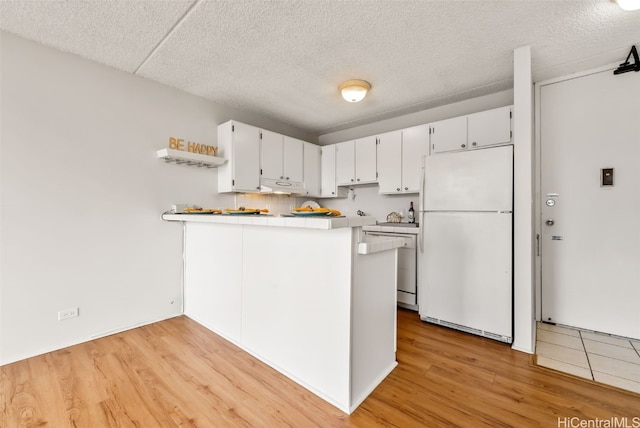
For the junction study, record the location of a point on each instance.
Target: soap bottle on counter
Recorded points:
(411, 217)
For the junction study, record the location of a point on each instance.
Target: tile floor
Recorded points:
(606, 359)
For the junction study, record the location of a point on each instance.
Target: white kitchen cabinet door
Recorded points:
(271, 155)
(390, 162)
(448, 135)
(328, 171)
(312, 159)
(345, 163)
(240, 145)
(293, 159)
(415, 146)
(489, 127)
(366, 160)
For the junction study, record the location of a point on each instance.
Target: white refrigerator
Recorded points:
(467, 242)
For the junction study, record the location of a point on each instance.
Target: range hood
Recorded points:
(268, 185)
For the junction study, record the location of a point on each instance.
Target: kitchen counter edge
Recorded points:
(264, 220)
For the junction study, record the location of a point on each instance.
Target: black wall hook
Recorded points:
(626, 66)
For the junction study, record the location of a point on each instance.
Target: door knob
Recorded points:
(550, 222)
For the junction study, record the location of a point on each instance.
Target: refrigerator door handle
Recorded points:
(422, 177)
(421, 206)
(421, 232)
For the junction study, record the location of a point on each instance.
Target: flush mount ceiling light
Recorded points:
(628, 4)
(354, 90)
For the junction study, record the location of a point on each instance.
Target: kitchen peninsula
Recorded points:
(307, 296)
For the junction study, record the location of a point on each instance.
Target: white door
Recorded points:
(590, 240)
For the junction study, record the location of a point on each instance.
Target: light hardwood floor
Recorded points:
(177, 373)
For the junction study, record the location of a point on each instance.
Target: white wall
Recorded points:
(82, 192)
(523, 204)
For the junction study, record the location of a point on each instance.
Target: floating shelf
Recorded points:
(188, 158)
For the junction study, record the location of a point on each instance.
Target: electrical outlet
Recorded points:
(68, 313)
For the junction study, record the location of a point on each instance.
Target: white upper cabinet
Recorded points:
(240, 145)
(415, 146)
(312, 154)
(366, 160)
(486, 128)
(271, 155)
(328, 187)
(356, 162)
(345, 163)
(448, 135)
(400, 155)
(390, 162)
(281, 157)
(489, 127)
(293, 159)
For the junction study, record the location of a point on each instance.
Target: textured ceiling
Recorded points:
(285, 59)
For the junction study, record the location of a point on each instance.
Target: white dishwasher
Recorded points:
(407, 260)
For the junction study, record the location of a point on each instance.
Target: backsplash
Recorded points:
(276, 204)
(367, 199)
(363, 198)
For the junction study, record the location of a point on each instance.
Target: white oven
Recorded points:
(407, 264)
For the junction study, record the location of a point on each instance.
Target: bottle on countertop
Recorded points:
(411, 217)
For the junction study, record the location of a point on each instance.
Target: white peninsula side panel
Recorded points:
(296, 304)
(213, 277)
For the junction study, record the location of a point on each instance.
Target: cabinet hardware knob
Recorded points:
(406, 188)
(473, 144)
(352, 179)
(398, 189)
(287, 178)
(333, 193)
(281, 177)
(463, 146)
(358, 179)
